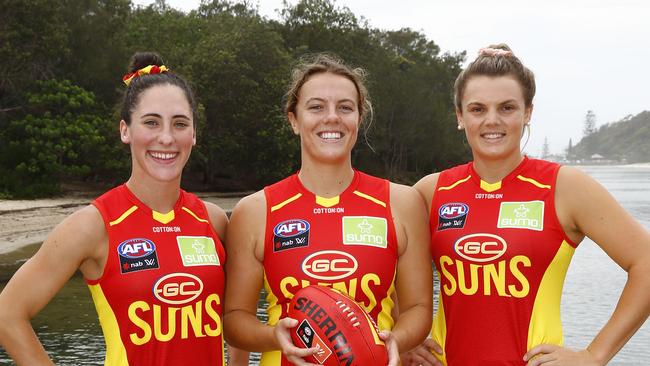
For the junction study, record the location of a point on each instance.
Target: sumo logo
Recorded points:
(452, 216)
(178, 288)
(329, 265)
(290, 234)
(136, 248)
(481, 247)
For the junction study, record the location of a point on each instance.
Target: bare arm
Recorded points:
(414, 280)
(585, 208)
(426, 187)
(79, 242)
(219, 221)
(245, 275)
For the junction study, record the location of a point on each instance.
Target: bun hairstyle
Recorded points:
(496, 60)
(139, 79)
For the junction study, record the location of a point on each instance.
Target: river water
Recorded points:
(69, 330)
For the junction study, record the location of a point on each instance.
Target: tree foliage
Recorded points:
(60, 136)
(62, 62)
(628, 140)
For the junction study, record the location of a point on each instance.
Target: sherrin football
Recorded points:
(341, 329)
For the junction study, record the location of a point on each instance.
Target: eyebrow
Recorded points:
(159, 116)
(323, 100)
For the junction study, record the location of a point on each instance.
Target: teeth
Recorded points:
(493, 135)
(163, 156)
(330, 135)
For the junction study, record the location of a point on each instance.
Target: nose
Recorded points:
(166, 135)
(492, 116)
(332, 115)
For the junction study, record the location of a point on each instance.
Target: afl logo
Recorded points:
(178, 288)
(453, 210)
(481, 247)
(136, 248)
(329, 265)
(291, 228)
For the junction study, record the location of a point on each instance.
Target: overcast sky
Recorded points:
(586, 54)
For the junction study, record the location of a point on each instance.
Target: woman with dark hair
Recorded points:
(504, 228)
(150, 252)
(370, 232)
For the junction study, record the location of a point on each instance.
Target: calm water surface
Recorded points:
(69, 330)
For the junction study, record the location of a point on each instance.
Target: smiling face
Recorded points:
(327, 118)
(493, 114)
(161, 134)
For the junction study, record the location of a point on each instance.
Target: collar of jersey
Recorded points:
(327, 201)
(492, 187)
(163, 218)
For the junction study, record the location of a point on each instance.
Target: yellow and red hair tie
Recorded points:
(151, 69)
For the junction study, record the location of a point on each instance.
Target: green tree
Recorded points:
(240, 67)
(58, 138)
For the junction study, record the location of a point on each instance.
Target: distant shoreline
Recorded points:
(25, 222)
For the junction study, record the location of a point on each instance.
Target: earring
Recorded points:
(459, 127)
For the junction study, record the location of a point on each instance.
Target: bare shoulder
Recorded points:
(574, 186)
(251, 204)
(247, 226)
(405, 201)
(218, 218)
(79, 241)
(427, 187)
(85, 224)
(400, 193)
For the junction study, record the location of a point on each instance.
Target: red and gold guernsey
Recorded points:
(502, 257)
(347, 242)
(160, 297)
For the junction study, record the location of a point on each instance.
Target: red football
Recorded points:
(341, 329)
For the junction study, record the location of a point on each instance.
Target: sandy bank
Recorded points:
(24, 222)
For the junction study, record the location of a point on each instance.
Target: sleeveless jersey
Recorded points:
(347, 242)
(502, 256)
(160, 297)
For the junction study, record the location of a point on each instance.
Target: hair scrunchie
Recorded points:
(151, 69)
(487, 51)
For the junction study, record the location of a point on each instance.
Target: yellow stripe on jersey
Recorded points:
(385, 318)
(123, 216)
(533, 182)
(270, 358)
(447, 188)
(370, 198)
(545, 323)
(115, 350)
(194, 215)
(439, 327)
(274, 311)
(327, 202)
(490, 187)
(286, 202)
(163, 218)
